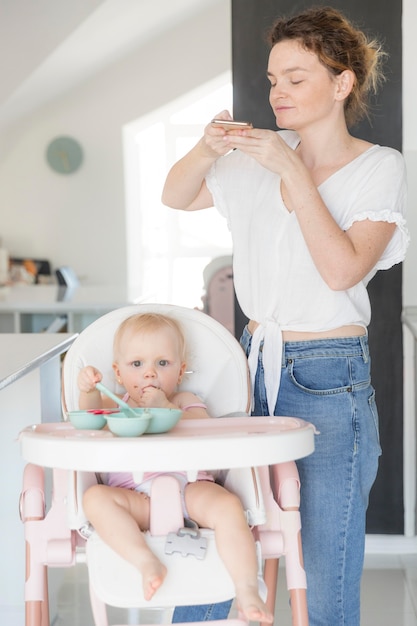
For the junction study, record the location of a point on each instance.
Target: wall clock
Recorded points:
(64, 155)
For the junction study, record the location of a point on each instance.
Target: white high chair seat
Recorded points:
(217, 372)
(216, 366)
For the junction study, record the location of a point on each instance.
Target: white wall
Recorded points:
(79, 219)
(410, 144)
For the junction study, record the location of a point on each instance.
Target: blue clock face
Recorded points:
(64, 155)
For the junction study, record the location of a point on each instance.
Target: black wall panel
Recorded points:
(381, 18)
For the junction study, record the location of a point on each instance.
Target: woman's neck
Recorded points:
(323, 153)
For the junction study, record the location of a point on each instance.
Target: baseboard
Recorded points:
(390, 544)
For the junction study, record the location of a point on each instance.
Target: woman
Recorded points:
(314, 213)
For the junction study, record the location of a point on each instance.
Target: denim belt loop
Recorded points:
(283, 358)
(365, 347)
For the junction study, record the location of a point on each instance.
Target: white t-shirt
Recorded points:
(276, 281)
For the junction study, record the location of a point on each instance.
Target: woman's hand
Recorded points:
(266, 147)
(213, 139)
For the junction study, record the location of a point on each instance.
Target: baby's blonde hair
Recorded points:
(150, 322)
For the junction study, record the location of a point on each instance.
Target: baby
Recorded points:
(149, 362)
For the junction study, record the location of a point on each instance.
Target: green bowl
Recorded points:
(87, 420)
(162, 420)
(157, 420)
(124, 426)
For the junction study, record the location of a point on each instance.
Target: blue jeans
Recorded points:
(327, 382)
(202, 612)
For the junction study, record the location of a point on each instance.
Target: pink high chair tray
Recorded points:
(191, 445)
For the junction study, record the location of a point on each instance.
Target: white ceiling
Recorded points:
(48, 46)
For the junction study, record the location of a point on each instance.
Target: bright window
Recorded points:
(167, 249)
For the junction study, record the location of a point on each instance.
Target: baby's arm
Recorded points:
(192, 406)
(90, 397)
(189, 403)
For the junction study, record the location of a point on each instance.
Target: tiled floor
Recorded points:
(389, 596)
(389, 593)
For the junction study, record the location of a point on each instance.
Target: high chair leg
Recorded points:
(271, 579)
(33, 613)
(37, 611)
(32, 509)
(98, 609)
(299, 607)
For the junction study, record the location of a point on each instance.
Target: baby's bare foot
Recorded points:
(252, 607)
(153, 575)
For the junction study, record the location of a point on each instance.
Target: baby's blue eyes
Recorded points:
(161, 363)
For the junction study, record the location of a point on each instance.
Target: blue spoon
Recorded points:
(123, 405)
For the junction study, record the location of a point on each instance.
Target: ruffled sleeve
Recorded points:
(381, 195)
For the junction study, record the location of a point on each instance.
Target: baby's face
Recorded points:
(149, 359)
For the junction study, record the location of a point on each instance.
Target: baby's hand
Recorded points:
(87, 379)
(154, 397)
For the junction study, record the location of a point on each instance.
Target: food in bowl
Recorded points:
(88, 420)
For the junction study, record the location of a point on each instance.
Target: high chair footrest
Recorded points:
(117, 582)
(187, 541)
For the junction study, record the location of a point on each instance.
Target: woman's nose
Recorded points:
(277, 91)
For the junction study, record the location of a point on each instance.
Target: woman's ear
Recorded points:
(345, 83)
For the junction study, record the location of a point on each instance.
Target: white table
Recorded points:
(33, 308)
(30, 382)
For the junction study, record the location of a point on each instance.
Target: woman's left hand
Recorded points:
(266, 147)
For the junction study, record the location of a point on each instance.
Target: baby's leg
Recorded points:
(119, 516)
(212, 506)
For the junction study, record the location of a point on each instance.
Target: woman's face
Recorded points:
(303, 92)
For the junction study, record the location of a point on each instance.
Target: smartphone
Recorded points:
(231, 124)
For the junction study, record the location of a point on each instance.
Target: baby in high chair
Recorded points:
(149, 362)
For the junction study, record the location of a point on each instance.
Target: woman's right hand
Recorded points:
(213, 138)
(88, 377)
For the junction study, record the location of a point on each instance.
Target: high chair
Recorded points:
(217, 372)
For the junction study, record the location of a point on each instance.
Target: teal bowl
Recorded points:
(124, 426)
(87, 420)
(162, 420)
